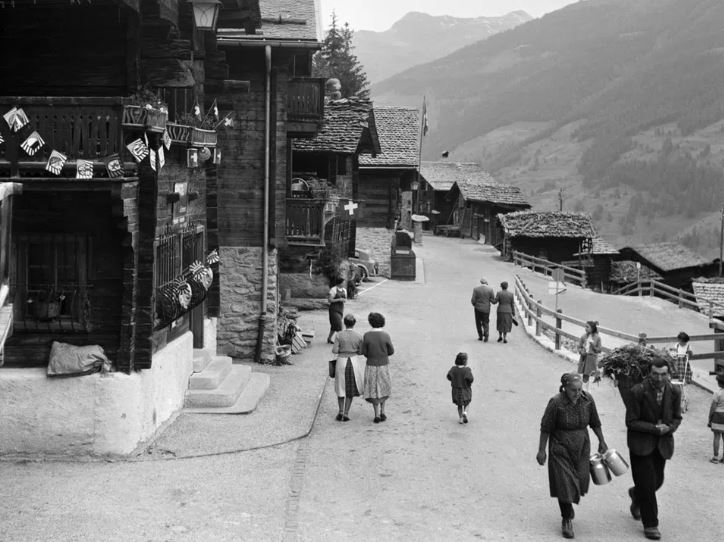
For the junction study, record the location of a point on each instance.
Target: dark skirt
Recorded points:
(350, 384)
(462, 396)
(504, 322)
(568, 472)
(335, 318)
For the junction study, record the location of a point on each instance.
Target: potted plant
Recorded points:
(146, 111)
(203, 134)
(180, 130)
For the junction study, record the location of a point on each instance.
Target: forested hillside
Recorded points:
(637, 86)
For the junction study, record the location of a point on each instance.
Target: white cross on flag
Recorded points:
(351, 206)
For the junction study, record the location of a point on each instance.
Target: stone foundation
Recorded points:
(300, 285)
(240, 285)
(378, 242)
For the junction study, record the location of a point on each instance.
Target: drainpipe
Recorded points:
(265, 241)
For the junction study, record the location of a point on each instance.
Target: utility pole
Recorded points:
(721, 240)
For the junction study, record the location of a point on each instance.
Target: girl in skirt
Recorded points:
(461, 377)
(716, 418)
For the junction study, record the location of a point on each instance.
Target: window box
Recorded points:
(179, 133)
(134, 116)
(203, 138)
(156, 120)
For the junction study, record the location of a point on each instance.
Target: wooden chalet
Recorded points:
(597, 261)
(323, 191)
(676, 264)
(389, 180)
(478, 200)
(551, 235)
(436, 181)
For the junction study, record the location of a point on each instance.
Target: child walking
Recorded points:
(716, 418)
(461, 377)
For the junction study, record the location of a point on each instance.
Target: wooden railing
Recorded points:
(682, 298)
(570, 274)
(535, 312)
(87, 128)
(305, 99)
(305, 221)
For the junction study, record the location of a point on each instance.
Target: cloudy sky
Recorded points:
(379, 15)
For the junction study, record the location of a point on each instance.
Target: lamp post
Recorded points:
(206, 13)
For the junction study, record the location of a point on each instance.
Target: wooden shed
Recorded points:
(597, 261)
(478, 199)
(552, 235)
(676, 264)
(436, 181)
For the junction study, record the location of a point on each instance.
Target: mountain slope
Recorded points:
(633, 89)
(418, 38)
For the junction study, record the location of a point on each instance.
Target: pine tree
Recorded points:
(336, 59)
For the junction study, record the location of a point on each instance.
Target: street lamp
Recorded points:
(206, 13)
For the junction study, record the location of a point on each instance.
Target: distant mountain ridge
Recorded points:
(417, 38)
(618, 102)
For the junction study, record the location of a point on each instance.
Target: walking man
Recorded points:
(653, 414)
(483, 296)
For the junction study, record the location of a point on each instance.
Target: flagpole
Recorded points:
(419, 151)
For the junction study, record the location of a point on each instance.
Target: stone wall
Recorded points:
(300, 285)
(240, 285)
(378, 241)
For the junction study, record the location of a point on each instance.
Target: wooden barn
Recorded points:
(478, 201)
(675, 263)
(597, 261)
(389, 180)
(436, 181)
(552, 235)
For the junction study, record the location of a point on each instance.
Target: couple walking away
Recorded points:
(653, 413)
(353, 376)
(483, 298)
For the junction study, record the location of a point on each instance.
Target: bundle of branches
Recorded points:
(633, 361)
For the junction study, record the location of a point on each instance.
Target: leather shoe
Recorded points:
(383, 418)
(376, 419)
(652, 533)
(634, 508)
(567, 528)
(480, 338)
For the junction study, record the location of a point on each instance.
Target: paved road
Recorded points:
(420, 475)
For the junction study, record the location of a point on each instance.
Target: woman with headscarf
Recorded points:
(564, 428)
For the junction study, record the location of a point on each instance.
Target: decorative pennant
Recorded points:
(204, 154)
(16, 118)
(197, 110)
(33, 143)
(161, 158)
(192, 157)
(1, 139)
(152, 158)
(56, 162)
(85, 169)
(215, 110)
(114, 166)
(166, 140)
(138, 149)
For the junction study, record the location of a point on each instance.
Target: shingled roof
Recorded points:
(492, 192)
(547, 224)
(348, 128)
(297, 20)
(625, 271)
(667, 256)
(709, 290)
(443, 175)
(399, 131)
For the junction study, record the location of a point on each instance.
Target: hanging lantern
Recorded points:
(206, 13)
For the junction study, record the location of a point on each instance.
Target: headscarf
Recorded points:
(569, 378)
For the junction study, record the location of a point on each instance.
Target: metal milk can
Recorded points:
(599, 471)
(615, 462)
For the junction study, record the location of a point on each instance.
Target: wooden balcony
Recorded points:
(305, 222)
(305, 106)
(87, 128)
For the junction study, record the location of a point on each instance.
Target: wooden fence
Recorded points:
(682, 298)
(535, 311)
(570, 274)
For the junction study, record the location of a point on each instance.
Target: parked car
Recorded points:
(366, 265)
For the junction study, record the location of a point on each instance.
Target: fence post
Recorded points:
(642, 339)
(711, 310)
(640, 289)
(681, 301)
(652, 289)
(529, 311)
(558, 327)
(537, 322)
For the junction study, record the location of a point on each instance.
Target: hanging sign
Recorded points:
(33, 144)
(114, 166)
(192, 158)
(16, 118)
(85, 169)
(56, 162)
(138, 149)
(217, 156)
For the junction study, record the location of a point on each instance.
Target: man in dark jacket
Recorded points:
(483, 296)
(653, 414)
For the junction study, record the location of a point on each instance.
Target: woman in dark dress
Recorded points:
(336, 298)
(504, 314)
(564, 428)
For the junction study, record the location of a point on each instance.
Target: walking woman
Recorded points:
(589, 346)
(336, 297)
(377, 347)
(505, 312)
(564, 428)
(349, 372)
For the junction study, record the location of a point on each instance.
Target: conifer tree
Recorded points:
(337, 59)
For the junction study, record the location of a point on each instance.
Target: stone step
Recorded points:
(225, 395)
(248, 400)
(213, 375)
(201, 359)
